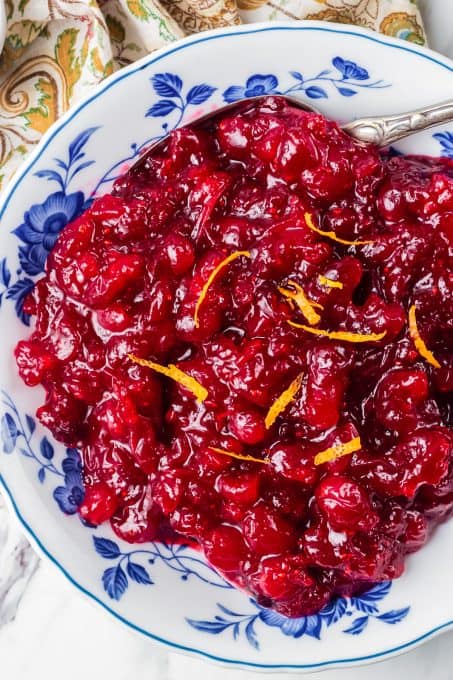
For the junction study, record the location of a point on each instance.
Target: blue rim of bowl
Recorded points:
(144, 63)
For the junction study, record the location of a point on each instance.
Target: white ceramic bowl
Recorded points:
(170, 594)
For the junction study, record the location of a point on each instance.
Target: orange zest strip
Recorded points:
(175, 373)
(282, 401)
(341, 335)
(330, 283)
(337, 451)
(212, 276)
(240, 456)
(331, 234)
(418, 342)
(305, 305)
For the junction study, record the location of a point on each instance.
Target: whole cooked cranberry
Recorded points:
(280, 576)
(345, 504)
(225, 548)
(239, 487)
(33, 361)
(266, 531)
(99, 503)
(137, 521)
(180, 253)
(397, 396)
(294, 461)
(420, 458)
(65, 416)
(247, 424)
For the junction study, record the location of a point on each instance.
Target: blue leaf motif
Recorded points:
(358, 626)
(47, 450)
(79, 168)
(139, 574)
(209, 626)
(51, 175)
(78, 143)
(334, 611)
(200, 93)
(394, 616)
(106, 548)
(446, 141)
(5, 274)
(41, 474)
(162, 108)
(115, 582)
(367, 602)
(313, 626)
(227, 611)
(30, 424)
(234, 93)
(251, 635)
(315, 92)
(167, 84)
(18, 292)
(9, 433)
(297, 76)
(346, 91)
(377, 593)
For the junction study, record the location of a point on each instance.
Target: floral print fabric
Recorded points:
(56, 51)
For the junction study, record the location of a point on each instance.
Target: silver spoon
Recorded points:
(379, 130)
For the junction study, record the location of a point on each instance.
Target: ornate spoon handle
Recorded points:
(388, 129)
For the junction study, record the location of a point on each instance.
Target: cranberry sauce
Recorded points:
(305, 442)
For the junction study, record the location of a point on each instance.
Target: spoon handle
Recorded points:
(388, 129)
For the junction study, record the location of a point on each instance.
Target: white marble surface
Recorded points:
(57, 634)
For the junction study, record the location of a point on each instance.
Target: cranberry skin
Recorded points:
(294, 462)
(121, 271)
(421, 458)
(138, 521)
(114, 318)
(397, 397)
(99, 503)
(33, 361)
(242, 487)
(345, 504)
(322, 546)
(64, 416)
(247, 424)
(180, 254)
(266, 532)
(225, 548)
(168, 491)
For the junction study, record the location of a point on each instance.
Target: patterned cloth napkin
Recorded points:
(58, 50)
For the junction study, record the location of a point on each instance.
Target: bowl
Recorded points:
(168, 593)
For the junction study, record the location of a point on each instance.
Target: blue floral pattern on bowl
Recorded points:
(64, 176)
(445, 140)
(346, 79)
(134, 564)
(43, 222)
(312, 626)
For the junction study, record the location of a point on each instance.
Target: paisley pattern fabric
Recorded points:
(58, 50)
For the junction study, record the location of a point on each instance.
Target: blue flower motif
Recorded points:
(350, 70)
(70, 496)
(367, 605)
(41, 226)
(255, 86)
(296, 628)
